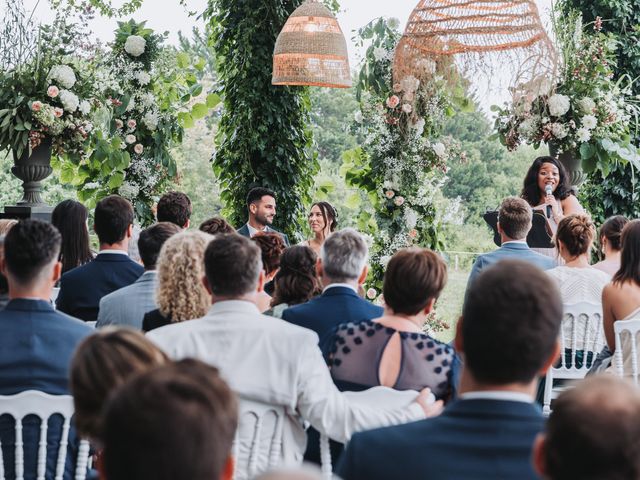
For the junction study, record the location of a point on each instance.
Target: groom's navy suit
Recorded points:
(244, 231)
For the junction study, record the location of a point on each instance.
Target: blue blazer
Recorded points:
(471, 439)
(82, 288)
(335, 306)
(36, 346)
(244, 231)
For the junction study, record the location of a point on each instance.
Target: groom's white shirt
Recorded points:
(271, 361)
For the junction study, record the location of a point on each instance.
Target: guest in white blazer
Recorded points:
(270, 361)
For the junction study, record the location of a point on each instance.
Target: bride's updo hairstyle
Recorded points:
(576, 232)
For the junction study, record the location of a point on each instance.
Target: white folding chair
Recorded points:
(257, 446)
(384, 398)
(630, 327)
(584, 320)
(43, 406)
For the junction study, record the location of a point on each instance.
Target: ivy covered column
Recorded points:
(263, 137)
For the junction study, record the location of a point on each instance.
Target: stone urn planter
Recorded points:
(572, 163)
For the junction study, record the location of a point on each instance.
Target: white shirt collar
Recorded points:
(253, 231)
(515, 241)
(497, 395)
(345, 285)
(113, 252)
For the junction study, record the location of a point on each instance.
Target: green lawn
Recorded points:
(449, 304)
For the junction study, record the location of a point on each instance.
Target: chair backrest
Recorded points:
(627, 357)
(258, 443)
(581, 331)
(383, 398)
(43, 406)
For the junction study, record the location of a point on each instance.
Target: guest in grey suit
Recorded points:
(514, 222)
(128, 305)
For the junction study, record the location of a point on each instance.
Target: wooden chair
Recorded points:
(584, 318)
(43, 406)
(630, 327)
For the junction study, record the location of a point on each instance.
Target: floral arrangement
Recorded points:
(586, 112)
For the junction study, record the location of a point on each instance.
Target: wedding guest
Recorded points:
(70, 218)
(323, 220)
(544, 173)
(610, 240)
(102, 363)
(82, 288)
(128, 305)
(216, 225)
(36, 341)
(306, 472)
(180, 294)
(272, 247)
(342, 268)
(261, 205)
(176, 421)
(269, 360)
(593, 433)
(489, 432)
(5, 226)
(621, 297)
(296, 281)
(175, 207)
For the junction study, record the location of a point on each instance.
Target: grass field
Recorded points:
(449, 304)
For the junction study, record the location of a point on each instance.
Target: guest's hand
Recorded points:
(553, 202)
(427, 401)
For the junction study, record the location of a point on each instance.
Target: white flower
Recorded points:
(410, 218)
(379, 53)
(69, 100)
(91, 186)
(439, 149)
(148, 99)
(406, 108)
(384, 260)
(139, 148)
(130, 139)
(583, 135)
(427, 66)
(589, 122)
(587, 105)
(84, 107)
(399, 201)
(131, 124)
(131, 105)
(559, 104)
(135, 45)
(358, 116)
(143, 78)
(119, 123)
(559, 130)
(419, 126)
(393, 23)
(151, 120)
(371, 293)
(63, 74)
(129, 190)
(529, 126)
(410, 84)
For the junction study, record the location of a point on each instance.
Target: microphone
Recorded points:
(549, 191)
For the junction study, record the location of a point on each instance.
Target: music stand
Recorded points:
(539, 236)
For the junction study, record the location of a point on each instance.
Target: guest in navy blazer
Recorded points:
(82, 288)
(508, 336)
(36, 342)
(342, 268)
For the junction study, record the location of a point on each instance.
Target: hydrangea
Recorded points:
(583, 134)
(439, 149)
(129, 190)
(559, 104)
(589, 122)
(587, 105)
(150, 120)
(84, 107)
(69, 100)
(143, 78)
(63, 74)
(135, 45)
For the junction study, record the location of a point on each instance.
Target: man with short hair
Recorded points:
(82, 288)
(342, 268)
(128, 305)
(267, 360)
(593, 432)
(515, 218)
(507, 336)
(261, 204)
(173, 422)
(175, 207)
(36, 342)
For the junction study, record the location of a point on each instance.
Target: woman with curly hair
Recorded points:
(272, 246)
(180, 293)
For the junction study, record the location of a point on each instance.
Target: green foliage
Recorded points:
(263, 137)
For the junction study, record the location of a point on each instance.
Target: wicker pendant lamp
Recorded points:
(311, 50)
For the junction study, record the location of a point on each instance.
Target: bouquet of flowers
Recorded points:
(587, 112)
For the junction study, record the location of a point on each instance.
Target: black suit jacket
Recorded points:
(82, 288)
(472, 439)
(244, 231)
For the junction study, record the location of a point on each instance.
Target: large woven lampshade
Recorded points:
(311, 50)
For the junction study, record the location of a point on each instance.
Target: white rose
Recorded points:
(419, 126)
(559, 130)
(406, 108)
(559, 104)
(139, 148)
(69, 100)
(587, 105)
(143, 78)
(130, 139)
(439, 149)
(84, 107)
(583, 135)
(135, 45)
(589, 122)
(63, 74)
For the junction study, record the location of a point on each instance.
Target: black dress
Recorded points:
(154, 319)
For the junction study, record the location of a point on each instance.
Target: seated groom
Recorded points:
(507, 336)
(261, 205)
(36, 342)
(82, 288)
(342, 268)
(128, 305)
(267, 360)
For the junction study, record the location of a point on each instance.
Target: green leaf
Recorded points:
(185, 120)
(199, 111)
(587, 151)
(353, 201)
(213, 100)
(183, 60)
(67, 173)
(116, 180)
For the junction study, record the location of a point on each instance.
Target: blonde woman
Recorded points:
(180, 294)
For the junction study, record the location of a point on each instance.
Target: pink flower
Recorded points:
(413, 234)
(58, 112)
(119, 123)
(53, 91)
(131, 124)
(36, 106)
(138, 148)
(389, 194)
(399, 201)
(371, 293)
(393, 101)
(397, 87)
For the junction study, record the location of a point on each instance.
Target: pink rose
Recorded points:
(131, 124)
(371, 293)
(58, 112)
(53, 91)
(36, 106)
(413, 234)
(399, 201)
(389, 194)
(393, 101)
(119, 123)
(138, 148)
